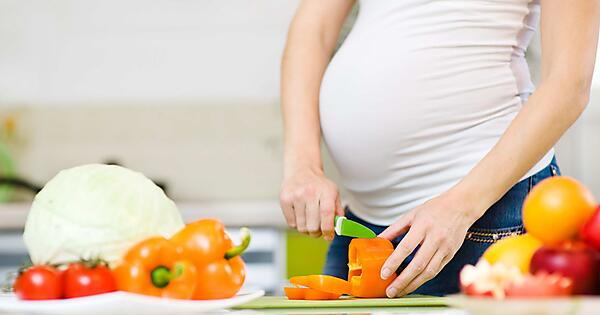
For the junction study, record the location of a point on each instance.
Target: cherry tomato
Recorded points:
(39, 283)
(83, 280)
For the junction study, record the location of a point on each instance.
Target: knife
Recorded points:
(347, 227)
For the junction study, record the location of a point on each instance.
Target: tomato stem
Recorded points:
(239, 249)
(93, 262)
(161, 276)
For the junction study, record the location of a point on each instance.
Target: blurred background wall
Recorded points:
(186, 91)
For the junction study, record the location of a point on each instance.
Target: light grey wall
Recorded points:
(205, 118)
(90, 52)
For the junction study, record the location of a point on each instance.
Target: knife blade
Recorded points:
(347, 227)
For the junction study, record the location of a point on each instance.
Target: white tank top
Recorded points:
(419, 92)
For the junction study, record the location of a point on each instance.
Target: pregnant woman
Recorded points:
(430, 116)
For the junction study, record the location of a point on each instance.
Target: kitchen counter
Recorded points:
(253, 213)
(411, 304)
(124, 303)
(358, 311)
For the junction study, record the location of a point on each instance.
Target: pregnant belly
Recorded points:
(403, 119)
(418, 93)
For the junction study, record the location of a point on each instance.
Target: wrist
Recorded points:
(302, 162)
(468, 201)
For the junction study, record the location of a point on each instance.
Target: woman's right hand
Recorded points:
(310, 201)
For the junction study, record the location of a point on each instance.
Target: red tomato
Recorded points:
(82, 280)
(39, 283)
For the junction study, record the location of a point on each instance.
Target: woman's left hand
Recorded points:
(439, 226)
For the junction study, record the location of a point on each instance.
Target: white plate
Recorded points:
(556, 306)
(121, 303)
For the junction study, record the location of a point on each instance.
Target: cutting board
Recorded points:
(281, 302)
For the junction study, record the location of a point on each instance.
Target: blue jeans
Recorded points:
(502, 219)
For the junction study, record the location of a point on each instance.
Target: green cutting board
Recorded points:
(280, 302)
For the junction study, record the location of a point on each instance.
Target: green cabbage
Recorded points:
(96, 211)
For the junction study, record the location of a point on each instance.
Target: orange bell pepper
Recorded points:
(221, 270)
(365, 259)
(317, 287)
(154, 267)
(308, 294)
(322, 283)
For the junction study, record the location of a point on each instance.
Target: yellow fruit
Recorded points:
(557, 208)
(513, 251)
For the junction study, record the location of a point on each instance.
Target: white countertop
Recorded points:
(265, 213)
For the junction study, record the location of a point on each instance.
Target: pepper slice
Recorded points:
(323, 283)
(365, 259)
(308, 294)
(154, 267)
(317, 287)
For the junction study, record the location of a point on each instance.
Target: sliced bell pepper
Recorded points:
(322, 283)
(365, 259)
(221, 270)
(154, 267)
(308, 294)
(316, 287)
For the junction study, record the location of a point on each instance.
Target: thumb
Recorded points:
(398, 228)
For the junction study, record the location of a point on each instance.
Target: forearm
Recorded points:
(311, 40)
(550, 111)
(303, 65)
(569, 33)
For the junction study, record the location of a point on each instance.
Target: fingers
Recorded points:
(408, 244)
(300, 214)
(286, 203)
(339, 210)
(327, 207)
(398, 228)
(313, 217)
(417, 266)
(309, 202)
(436, 264)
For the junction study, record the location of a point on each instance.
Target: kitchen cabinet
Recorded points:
(297, 263)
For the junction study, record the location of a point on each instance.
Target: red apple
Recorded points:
(573, 260)
(590, 232)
